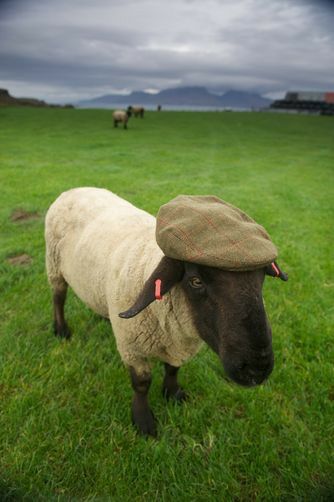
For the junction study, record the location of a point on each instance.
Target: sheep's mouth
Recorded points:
(248, 381)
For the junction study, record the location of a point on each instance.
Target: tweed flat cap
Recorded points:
(208, 231)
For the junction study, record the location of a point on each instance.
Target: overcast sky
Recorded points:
(64, 50)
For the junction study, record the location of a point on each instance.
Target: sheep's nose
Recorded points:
(248, 371)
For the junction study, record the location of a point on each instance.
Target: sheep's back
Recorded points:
(93, 232)
(120, 115)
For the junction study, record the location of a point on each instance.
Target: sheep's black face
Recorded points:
(230, 317)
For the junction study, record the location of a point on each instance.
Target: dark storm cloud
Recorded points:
(58, 50)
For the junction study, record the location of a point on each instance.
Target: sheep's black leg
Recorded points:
(170, 387)
(115, 123)
(60, 326)
(142, 416)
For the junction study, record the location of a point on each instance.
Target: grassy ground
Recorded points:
(65, 429)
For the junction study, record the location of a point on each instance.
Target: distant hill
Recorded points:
(239, 99)
(7, 100)
(181, 96)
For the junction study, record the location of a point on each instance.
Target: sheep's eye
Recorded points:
(195, 282)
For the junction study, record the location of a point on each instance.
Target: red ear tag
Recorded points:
(158, 295)
(275, 269)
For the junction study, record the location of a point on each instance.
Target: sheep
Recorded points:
(106, 250)
(121, 116)
(138, 111)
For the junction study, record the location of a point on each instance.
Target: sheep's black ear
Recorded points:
(274, 271)
(169, 271)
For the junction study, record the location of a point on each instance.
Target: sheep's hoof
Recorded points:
(144, 422)
(62, 331)
(177, 395)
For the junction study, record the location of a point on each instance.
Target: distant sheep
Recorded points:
(138, 111)
(106, 250)
(121, 116)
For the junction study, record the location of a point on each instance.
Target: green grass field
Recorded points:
(65, 431)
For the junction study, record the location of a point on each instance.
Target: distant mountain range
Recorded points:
(180, 96)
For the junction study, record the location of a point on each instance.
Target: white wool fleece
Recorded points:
(105, 250)
(120, 115)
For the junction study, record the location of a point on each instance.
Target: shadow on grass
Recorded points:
(324, 492)
(10, 493)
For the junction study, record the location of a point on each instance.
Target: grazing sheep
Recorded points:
(106, 250)
(121, 116)
(138, 111)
